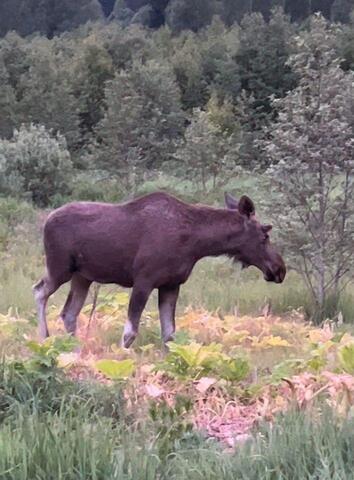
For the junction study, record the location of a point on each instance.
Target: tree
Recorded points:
(48, 17)
(311, 148)
(93, 68)
(47, 97)
(204, 62)
(35, 165)
(63, 15)
(187, 64)
(122, 13)
(7, 103)
(218, 47)
(208, 143)
(142, 123)
(107, 6)
(186, 15)
(262, 59)
(341, 10)
(23, 16)
(234, 10)
(346, 45)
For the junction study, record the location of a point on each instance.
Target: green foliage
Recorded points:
(287, 368)
(116, 370)
(181, 15)
(12, 214)
(262, 61)
(346, 357)
(46, 17)
(35, 164)
(93, 69)
(142, 122)
(298, 446)
(173, 430)
(45, 93)
(310, 147)
(195, 361)
(45, 355)
(209, 148)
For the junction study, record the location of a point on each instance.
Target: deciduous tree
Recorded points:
(142, 123)
(311, 148)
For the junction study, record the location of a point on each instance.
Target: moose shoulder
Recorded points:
(151, 242)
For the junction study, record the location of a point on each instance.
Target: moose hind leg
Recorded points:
(167, 307)
(42, 291)
(75, 301)
(138, 299)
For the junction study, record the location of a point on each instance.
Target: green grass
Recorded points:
(218, 284)
(73, 443)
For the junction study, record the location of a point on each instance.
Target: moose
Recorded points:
(152, 242)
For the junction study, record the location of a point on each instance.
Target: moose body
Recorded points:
(149, 243)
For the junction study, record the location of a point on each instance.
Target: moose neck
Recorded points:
(216, 232)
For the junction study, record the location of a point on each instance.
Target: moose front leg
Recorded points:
(138, 299)
(167, 308)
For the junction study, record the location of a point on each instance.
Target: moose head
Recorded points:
(253, 245)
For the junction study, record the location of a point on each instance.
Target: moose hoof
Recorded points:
(128, 339)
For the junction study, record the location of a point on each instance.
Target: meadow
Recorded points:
(250, 389)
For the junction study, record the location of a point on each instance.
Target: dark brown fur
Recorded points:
(151, 242)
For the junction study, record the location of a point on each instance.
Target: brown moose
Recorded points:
(147, 243)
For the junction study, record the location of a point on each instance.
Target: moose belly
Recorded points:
(106, 269)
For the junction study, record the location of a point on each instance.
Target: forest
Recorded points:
(110, 100)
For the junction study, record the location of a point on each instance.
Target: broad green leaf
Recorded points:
(346, 358)
(115, 369)
(234, 370)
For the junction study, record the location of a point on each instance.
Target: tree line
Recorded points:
(52, 17)
(131, 101)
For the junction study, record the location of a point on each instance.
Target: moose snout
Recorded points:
(275, 273)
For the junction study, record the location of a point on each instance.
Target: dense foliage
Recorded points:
(275, 391)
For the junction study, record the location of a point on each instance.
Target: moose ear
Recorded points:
(246, 206)
(231, 202)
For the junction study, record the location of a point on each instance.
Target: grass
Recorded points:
(73, 444)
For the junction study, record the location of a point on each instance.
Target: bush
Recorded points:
(13, 213)
(35, 165)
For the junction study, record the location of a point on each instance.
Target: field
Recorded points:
(231, 389)
(250, 389)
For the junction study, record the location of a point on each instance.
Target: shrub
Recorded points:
(35, 165)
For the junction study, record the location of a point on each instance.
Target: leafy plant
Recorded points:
(346, 358)
(32, 157)
(171, 424)
(45, 355)
(287, 368)
(196, 361)
(116, 369)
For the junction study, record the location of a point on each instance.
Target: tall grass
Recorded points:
(218, 284)
(72, 445)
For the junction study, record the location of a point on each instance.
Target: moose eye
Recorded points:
(265, 238)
